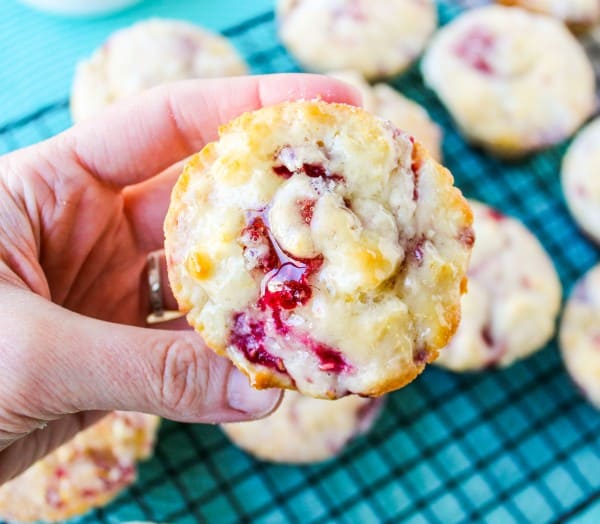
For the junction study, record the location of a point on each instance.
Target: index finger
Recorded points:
(138, 138)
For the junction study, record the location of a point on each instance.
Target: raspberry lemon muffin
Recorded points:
(580, 335)
(84, 473)
(514, 81)
(378, 38)
(320, 249)
(513, 298)
(305, 429)
(581, 179)
(386, 102)
(148, 54)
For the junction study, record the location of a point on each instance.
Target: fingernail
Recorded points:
(243, 397)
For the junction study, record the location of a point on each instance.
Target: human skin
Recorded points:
(79, 214)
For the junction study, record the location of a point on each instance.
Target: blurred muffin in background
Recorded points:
(513, 297)
(148, 54)
(577, 14)
(581, 179)
(378, 38)
(386, 102)
(579, 337)
(86, 472)
(305, 429)
(514, 81)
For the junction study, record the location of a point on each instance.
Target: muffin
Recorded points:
(304, 429)
(581, 179)
(580, 335)
(378, 38)
(514, 295)
(513, 81)
(148, 54)
(87, 472)
(320, 249)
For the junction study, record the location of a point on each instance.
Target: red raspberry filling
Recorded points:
(306, 208)
(416, 250)
(61, 472)
(416, 185)
(314, 170)
(249, 337)
(310, 170)
(420, 356)
(496, 348)
(255, 236)
(282, 171)
(331, 359)
(495, 215)
(284, 287)
(475, 48)
(319, 171)
(486, 336)
(467, 236)
(287, 287)
(89, 492)
(285, 284)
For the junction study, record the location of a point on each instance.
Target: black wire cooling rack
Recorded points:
(511, 446)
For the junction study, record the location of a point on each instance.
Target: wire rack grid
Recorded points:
(512, 446)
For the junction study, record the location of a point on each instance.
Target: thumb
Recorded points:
(74, 363)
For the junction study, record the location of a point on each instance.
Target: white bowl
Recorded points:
(80, 7)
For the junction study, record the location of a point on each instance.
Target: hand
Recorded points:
(79, 214)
